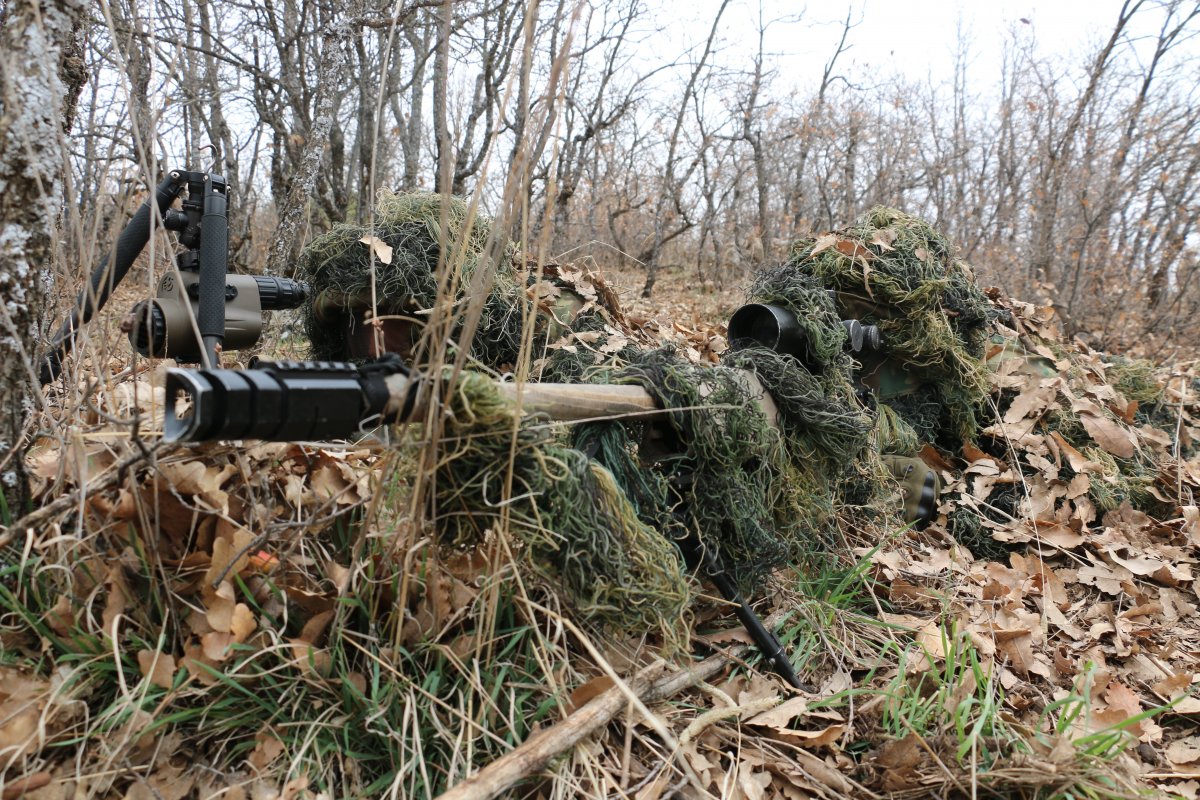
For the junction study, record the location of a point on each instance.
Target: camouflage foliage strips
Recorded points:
(598, 503)
(594, 512)
(393, 263)
(895, 271)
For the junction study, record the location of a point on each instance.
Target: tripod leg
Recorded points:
(130, 242)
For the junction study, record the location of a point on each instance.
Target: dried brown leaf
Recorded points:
(824, 242)
(242, 623)
(899, 761)
(158, 667)
(1030, 403)
(25, 784)
(883, 238)
(586, 692)
(267, 748)
(1113, 437)
(381, 249)
(314, 629)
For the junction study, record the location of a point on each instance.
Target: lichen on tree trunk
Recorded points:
(32, 37)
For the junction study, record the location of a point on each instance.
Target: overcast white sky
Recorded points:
(915, 37)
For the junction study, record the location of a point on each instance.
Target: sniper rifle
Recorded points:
(315, 400)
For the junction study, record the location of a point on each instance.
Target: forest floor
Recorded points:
(267, 621)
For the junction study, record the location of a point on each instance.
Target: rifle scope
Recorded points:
(776, 328)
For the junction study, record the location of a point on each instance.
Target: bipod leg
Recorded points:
(700, 557)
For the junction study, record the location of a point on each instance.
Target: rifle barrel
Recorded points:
(287, 401)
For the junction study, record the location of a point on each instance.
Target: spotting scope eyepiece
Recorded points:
(276, 294)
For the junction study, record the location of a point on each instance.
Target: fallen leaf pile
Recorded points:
(1072, 598)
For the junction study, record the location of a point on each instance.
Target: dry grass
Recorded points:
(273, 620)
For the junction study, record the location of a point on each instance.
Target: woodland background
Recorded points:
(1075, 181)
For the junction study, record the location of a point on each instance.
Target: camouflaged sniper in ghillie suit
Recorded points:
(590, 504)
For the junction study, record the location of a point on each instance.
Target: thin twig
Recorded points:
(112, 476)
(535, 753)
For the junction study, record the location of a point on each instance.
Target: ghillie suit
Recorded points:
(1051, 436)
(895, 271)
(390, 271)
(926, 381)
(392, 268)
(577, 529)
(761, 492)
(595, 506)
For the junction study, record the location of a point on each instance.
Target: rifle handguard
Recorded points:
(283, 400)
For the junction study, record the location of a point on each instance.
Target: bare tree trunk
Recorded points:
(135, 53)
(672, 184)
(419, 40)
(34, 35)
(751, 133)
(812, 119)
(1060, 152)
(849, 170)
(281, 260)
(73, 74)
(221, 137)
(441, 87)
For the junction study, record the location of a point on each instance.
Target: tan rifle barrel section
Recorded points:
(571, 402)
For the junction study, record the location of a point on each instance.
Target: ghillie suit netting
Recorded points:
(1051, 435)
(595, 507)
(895, 271)
(827, 426)
(592, 512)
(351, 274)
(597, 504)
(575, 527)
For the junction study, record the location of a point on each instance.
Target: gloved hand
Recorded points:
(919, 487)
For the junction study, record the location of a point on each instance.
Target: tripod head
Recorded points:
(200, 309)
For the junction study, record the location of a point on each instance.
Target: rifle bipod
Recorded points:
(707, 562)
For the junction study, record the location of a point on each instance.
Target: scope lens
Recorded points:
(148, 329)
